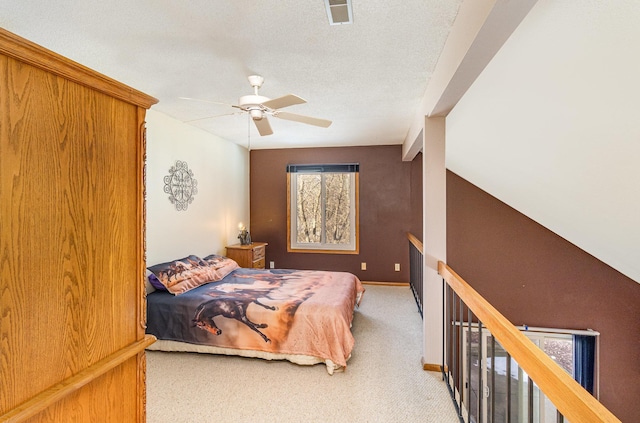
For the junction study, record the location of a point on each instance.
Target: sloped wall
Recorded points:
(551, 126)
(537, 278)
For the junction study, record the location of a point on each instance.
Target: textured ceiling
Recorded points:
(367, 77)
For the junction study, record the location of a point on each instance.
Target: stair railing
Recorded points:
(416, 267)
(468, 315)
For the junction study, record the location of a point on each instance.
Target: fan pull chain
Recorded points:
(248, 132)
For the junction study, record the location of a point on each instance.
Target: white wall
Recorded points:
(552, 126)
(221, 169)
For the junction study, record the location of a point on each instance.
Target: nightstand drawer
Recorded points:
(258, 253)
(258, 264)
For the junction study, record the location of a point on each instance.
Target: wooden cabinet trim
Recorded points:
(62, 389)
(75, 129)
(28, 52)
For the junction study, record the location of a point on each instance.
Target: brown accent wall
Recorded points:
(386, 201)
(535, 277)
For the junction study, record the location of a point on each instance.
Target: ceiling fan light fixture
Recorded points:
(256, 114)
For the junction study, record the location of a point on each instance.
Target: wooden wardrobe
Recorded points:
(72, 311)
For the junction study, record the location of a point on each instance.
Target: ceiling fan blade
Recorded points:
(205, 101)
(264, 128)
(303, 119)
(284, 101)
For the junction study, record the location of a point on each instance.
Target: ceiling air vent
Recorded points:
(339, 12)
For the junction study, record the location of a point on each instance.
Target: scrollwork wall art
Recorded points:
(180, 185)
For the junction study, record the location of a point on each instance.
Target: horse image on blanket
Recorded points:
(231, 300)
(290, 313)
(232, 308)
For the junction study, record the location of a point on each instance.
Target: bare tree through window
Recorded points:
(309, 208)
(337, 208)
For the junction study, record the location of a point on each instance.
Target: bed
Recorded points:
(210, 305)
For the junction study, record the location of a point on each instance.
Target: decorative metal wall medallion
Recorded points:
(180, 185)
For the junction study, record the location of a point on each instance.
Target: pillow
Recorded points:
(181, 275)
(147, 284)
(221, 266)
(152, 283)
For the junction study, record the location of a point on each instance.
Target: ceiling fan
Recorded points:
(259, 107)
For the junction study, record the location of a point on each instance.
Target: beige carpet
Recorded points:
(384, 380)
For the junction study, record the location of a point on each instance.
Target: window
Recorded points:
(323, 208)
(505, 384)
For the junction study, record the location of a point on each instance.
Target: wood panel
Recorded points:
(41, 403)
(71, 249)
(89, 404)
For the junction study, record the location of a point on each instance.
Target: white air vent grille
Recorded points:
(339, 12)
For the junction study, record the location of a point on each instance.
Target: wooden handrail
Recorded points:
(415, 241)
(571, 399)
(60, 390)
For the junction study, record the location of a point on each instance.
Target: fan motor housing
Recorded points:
(252, 100)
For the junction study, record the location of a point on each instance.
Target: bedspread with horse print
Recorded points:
(280, 311)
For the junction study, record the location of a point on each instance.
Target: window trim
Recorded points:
(352, 168)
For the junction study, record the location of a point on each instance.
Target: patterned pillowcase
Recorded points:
(181, 275)
(221, 266)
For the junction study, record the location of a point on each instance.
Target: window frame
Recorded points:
(537, 336)
(294, 247)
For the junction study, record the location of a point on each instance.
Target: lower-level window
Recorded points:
(504, 390)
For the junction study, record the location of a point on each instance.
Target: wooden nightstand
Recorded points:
(251, 255)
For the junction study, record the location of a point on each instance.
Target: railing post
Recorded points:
(530, 399)
(444, 325)
(493, 379)
(460, 375)
(469, 315)
(480, 381)
(416, 260)
(508, 388)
